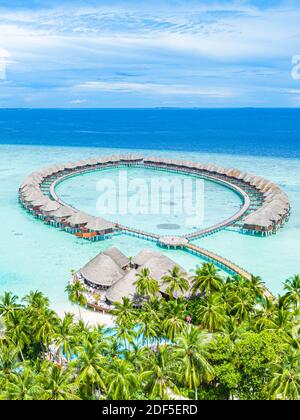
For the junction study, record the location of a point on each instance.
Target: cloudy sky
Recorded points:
(135, 53)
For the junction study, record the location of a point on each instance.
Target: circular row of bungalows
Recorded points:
(38, 200)
(273, 212)
(274, 209)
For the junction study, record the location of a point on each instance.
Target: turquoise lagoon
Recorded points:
(35, 256)
(97, 193)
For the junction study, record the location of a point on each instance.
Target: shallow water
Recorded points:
(152, 201)
(35, 256)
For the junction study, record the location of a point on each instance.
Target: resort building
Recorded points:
(264, 210)
(112, 272)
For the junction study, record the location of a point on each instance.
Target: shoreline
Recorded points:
(89, 317)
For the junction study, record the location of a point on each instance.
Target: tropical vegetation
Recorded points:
(208, 337)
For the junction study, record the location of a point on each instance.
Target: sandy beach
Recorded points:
(91, 318)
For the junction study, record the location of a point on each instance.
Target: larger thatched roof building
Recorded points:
(111, 271)
(102, 271)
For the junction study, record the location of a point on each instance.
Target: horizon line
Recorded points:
(144, 108)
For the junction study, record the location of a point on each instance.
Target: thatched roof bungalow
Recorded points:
(110, 271)
(79, 219)
(159, 266)
(50, 206)
(62, 213)
(101, 272)
(98, 224)
(119, 258)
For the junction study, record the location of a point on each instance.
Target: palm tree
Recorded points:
(122, 380)
(258, 287)
(44, 327)
(131, 261)
(159, 374)
(125, 312)
(123, 334)
(264, 316)
(22, 386)
(285, 384)
(138, 354)
(8, 359)
(8, 304)
(65, 336)
(173, 327)
(241, 304)
(292, 286)
(91, 368)
(281, 323)
(81, 329)
(148, 312)
(76, 292)
(145, 284)
(175, 308)
(59, 384)
(36, 300)
(148, 330)
(97, 298)
(232, 329)
(211, 313)
(175, 281)
(193, 357)
(2, 329)
(207, 280)
(19, 331)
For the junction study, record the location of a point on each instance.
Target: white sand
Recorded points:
(90, 317)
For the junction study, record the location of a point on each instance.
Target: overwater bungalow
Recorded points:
(51, 206)
(62, 213)
(133, 158)
(97, 227)
(258, 224)
(255, 189)
(58, 218)
(39, 202)
(78, 219)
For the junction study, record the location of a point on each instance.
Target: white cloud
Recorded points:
(161, 89)
(78, 101)
(195, 51)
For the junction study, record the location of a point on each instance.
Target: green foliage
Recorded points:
(253, 355)
(228, 341)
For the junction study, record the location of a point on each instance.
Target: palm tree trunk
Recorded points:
(22, 356)
(196, 393)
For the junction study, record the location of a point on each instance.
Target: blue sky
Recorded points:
(150, 53)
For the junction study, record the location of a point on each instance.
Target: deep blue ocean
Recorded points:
(257, 132)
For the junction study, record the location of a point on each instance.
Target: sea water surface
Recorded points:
(35, 256)
(165, 203)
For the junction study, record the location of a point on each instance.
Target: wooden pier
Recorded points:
(219, 261)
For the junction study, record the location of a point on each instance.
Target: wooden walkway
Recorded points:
(223, 263)
(219, 226)
(149, 236)
(219, 261)
(138, 233)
